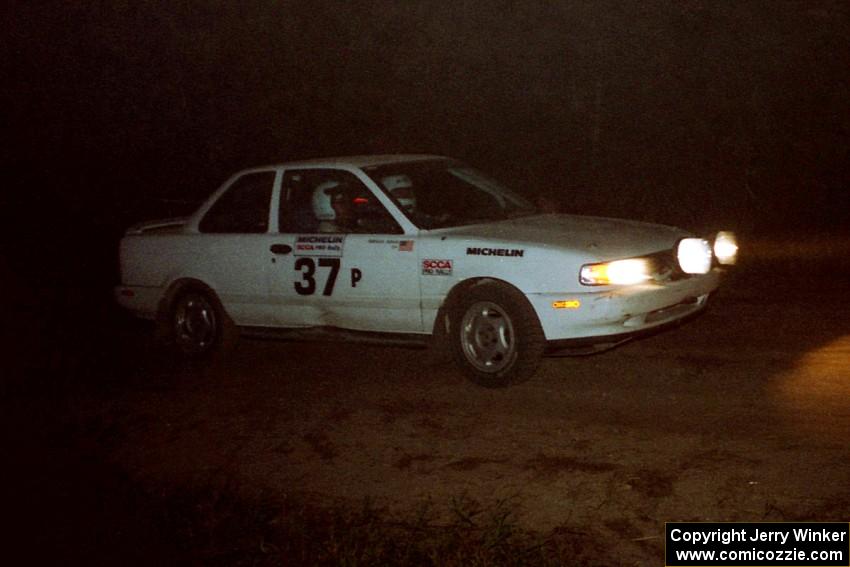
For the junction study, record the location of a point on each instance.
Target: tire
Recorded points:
(495, 335)
(196, 326)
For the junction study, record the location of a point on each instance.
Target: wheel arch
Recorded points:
(180, 286)
(456, 293)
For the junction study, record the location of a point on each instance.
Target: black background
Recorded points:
(700, 114)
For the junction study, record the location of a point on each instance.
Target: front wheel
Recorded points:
(496, 335)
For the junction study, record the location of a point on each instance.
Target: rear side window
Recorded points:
(243, 208)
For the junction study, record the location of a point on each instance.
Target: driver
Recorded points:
(333, 207)
(401, 188)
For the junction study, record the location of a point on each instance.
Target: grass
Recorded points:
(216, 527)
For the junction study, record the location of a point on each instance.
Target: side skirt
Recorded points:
(335, 334)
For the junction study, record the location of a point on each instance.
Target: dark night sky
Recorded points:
(696, 113)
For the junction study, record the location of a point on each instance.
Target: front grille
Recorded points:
(665, 266)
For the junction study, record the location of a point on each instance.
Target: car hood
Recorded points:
(594, 237)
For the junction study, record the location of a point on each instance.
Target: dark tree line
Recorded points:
(638, 109)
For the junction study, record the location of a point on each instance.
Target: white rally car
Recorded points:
(410, 247)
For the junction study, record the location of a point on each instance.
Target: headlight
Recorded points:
(694, 255)
(726, 248)
(619, 272)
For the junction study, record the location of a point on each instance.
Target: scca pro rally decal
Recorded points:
(515, 252)
(319, 245)
(436, 267)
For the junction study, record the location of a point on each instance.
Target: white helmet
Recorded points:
(322, 195)
(402, 189)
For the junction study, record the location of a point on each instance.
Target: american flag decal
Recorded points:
(405, 246)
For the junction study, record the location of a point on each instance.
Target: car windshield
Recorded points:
(444, 193)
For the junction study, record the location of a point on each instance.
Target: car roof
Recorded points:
(360, 161)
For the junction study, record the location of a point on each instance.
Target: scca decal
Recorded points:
(437, 267)
(513, 252)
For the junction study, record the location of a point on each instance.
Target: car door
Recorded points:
(359, 275)
(231, 249)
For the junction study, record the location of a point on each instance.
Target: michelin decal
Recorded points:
(513, 252)
(318, 245)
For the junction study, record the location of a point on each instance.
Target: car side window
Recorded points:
(331, 201)
(243, 208)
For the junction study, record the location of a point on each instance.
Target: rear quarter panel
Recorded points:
(155, 260)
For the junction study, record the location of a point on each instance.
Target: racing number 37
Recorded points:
(307, 267)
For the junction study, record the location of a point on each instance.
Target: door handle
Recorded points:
(281, 248)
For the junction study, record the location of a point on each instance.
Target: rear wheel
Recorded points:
(195, 325)
(496, 335)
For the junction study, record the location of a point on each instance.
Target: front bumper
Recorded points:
(621, 311)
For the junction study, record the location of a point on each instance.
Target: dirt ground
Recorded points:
(742, 414)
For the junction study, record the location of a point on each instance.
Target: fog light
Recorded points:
(726, 247)
(694, 255)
